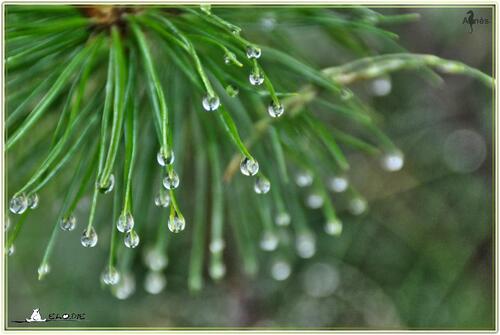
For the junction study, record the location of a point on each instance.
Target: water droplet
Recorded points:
(253, 52)
(18, 204)
(381, 86)
(268, 23)
(11, 250)
(304, 179)
(320, 280)
(210, 103)
(280, 270)
(155, 259)
(162, 199)
(275, 110)
(217, 270)
(232, 91)
(131, 239)
(33, 201)
(256, 78)
(43, 269)
(154, 282)
(338, 184)
(216, 246)
(393, 161)
(68, 223)
(357, 206)
(262, 185)
(333, 227)
(125, 287)
(464, 150)
(176, 224)
(346, 94)
(314, 201)
(249, 167)
(89, 240)
(125, 223)
(305, 244)
(171, 181)
(227, 58)
(269, 241)
(110, 276)
(109, 186)
(283, 219)
(165, 158)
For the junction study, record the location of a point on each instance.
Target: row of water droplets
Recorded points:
(18, 205)
(171, 181)
(124, 285)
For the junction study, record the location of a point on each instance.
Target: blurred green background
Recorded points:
(421, 258)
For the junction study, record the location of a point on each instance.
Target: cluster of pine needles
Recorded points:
(159, 108)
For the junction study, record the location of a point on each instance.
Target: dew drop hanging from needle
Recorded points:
(89, 239)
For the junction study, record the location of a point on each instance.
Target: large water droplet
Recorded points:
(275, 110)
(392, 161)
(165, 157)
(43, 269)
(125, 223)
(280, 270)
(125, 287)
(171, 181)
(256, 78)
(217, 270)
(269, 241)
(132, 239)
(11, 250)
(162, 199)
(253, 52)
(154, 282)
(210, 103)
(320, 280)
(89, 239)
(283, 219)
(381, 86)
(33, 201)
(155, 259)
(314, 201)
(107, 187)
(262, 185)
(18, 204)
(110, 276)
(68, 223)
(338, 184)
(333, 227)
(249, 167)
(304, 179)
(464, 150)
(176, 224)
(216, 246)
(357, 206)
(305, 244)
